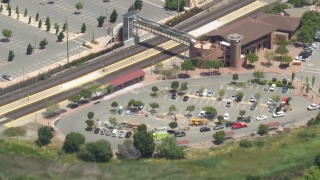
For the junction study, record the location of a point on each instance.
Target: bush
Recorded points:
(182, 17)
(252, 80)
(99, 151)
(15, 131)
(262, 82)
(284, 81)
(290, 86)
(260, 143)
(246, 144)
(176, 66)
(274, 79)
(290, 83)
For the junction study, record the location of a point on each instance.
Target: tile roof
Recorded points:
(127, 77)
(296, 12)
(284, 23)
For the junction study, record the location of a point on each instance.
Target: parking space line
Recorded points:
(177, 98)
(251, 86)
(189, 91)
(219, 103)
(165, 97)
(180, 112)
(213, 102)
(237, 106)
(207, 101)
(195, 100)
(201, 101)
(257, 87)
(243, 106)
(262, 109)
(221, 86)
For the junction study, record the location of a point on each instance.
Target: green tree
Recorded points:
(305, 34)
(144, 142)
(90, 123)
(159, 66)
(252, 58)
(79, 6)
(221, 93)
(90, 115)
(307, 79)
(110, 88)
(281, 50)
(219, 136)
(29, 21)
(154, 105)
(85, 93)
(257, 96)
(173, 4)
(263, 129)
(187, 66)
(138, 4)
(208, 65)
(258, 74)
(307, 88)
(113, 16)
(313, 81)
(61, 36)
(170, 150)
(64, 27)
(218, 64)
(83, 28)
(47, 21)
(137, 103)
(25, 12)
(242, 112)
(269, 55)
(37, 16)
(154, 89)
(44, 135)
(184, 86)
(175, 85)
(101, 20)
(29, 49)
(235, 77)
(316, 160)
(18, 14)
(73, 141)
(172, 108)
(17, 9)
(40, 24)
(275, 98)
(43, 43)
(239, 96)
(166, 73)
(11, 56)
(1, 8)
(210, 111)
(142, 127)
(7, 33)
(293, 75)
(131, 8)
(52, 108)
(173, 125)
(128, 151)
(74, 98)
(48, 26)
(99, 151)
(114, 104)
(286, 59)
(56, 27)
(191, 108)
(220, 119)
(313, 173)
(9, 11)
(113, 121)
(93, 87)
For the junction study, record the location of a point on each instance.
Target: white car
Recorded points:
(313, 106)
(273, 87)
(278, 114)
(210, 94)
(226, 116)
(114, 133)
(262, 117)
(229, 103)
(121, 134)
(233, 97)
(202, 114)
(197, 93)
(252, 99)
(270, 101)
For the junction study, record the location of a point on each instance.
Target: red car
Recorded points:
(239, 125)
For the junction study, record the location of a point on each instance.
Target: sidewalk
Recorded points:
(87, 78)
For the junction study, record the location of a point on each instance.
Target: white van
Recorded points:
(205, 92)
(114, 133)
(273, 87)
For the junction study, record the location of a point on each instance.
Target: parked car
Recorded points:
(210, 94)
(142, 106)
(174, 96)
(108, 132)
(197, 93)
(185, 98)
(279, 108)
(205, 129)
(254, 106)
(103, 132)
(202, 114)
(273, 87)
(313, 106)
(204, 93)
(121, 134)
(252, 99)
(96, 131)
(7, 77)
(114, 133)
(262, 117)
(218, 127)
(266, 87)
(278, 114)
(270, 101)
(128, 134)
(238, 125)
(179, 134)
(229, 103)
(229, 124)
(272, 107)
(226, 116)
(285, 89)
(50, 2)
(233, 97)
(245, 119)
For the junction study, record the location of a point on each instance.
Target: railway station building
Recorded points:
(233, 42)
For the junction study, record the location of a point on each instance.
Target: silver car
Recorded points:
(7, 77)
(210, 94)
(266, 87)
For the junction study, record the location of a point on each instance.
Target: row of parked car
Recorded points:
(112, 132)
(308, 51)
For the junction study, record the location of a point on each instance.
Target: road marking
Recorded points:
(219, 103)
(262, 109)
(177, 98)
(221, 86)
(237, 106)
(201, 101)
(189, 91)
(213, 102)
(243, 106)
(180, 112)
(165, 97)
(162, 109)
(257, 87)
(195, 100)
(251, 86)
(207, 101)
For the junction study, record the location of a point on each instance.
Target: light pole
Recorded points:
(178, 7)
(107, 16)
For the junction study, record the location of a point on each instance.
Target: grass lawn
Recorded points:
(280, 154)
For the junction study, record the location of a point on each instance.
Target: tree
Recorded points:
(175, 85)
(173, 124)
(219, 136)
(172, 108)
(138, 4)
(242, 112)
(191, 108)
(307, 79)
(56, 27)
(144, 142)
(85, 93)
(187, 66)
(17, 9)
(235, 77)
(83, 28)
(40, 24)
(9, 11)
(286, 59)
(173, 4)
(7, 33)
(184, 86)
(221, 93)
(44, 135)
(99, 151)
(18, 14)
(154, 89)
(307, 88)
(37, 17)
(29, 49)
(90, 123)
(258, 74)
(208, 65)
(170, 150)
(74, 98)
(90, 115)
(128, 151)
(137, 103)
(142, 127)
(64, 27)
(43, 43)
(313, 173)
(47, 21)
(275, 98)
(263, 129)
(281, 50)
(48, 26)
(60, 36)
(114, 104)
(288, 100)
(113, 16)
(113, 121)
(154, 105)
(269, 55)
(29, 21)
(166, 73)
(101, 20)
(159, 66)
(11, 56)
(1, 8)
(25, 12)
(110, 88)
(220, 118)
(293, 75)
(72, 142)
(257, 96)
(239, 96)
(210, 111)
(316, 160)
(201, 90)
(305, 34)
(131, 8)
(79, 6)
(313, 81)
(52, 107)
(252, 58)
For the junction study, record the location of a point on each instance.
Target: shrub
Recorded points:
(284, 81)
(274, 79)
(262, 82)
(253, 80)
(15, 131)
(260, 143)
(245, 144)
(182, 17)
(290, 86)
(176, 66)
(289, 83)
